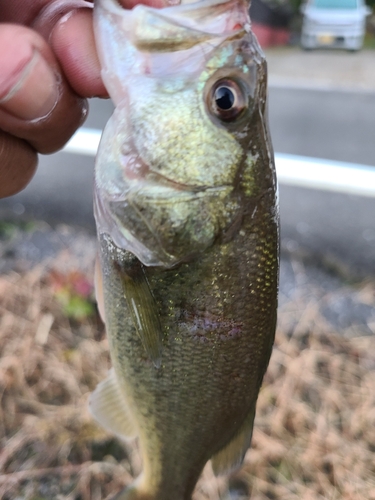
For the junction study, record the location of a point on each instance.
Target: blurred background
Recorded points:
(321, 105)
(314, 437)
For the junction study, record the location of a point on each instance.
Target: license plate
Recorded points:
(326, 39)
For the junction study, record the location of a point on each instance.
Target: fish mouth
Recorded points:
(181, 5)
(180, 25)
(190, 9)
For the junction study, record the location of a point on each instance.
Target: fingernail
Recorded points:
(33, 92)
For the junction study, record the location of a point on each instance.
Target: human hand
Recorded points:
(48, 67)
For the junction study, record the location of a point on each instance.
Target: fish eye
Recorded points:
(224, 98)
(227, 100)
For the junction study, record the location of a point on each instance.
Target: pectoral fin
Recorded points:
(108, 406)
(144, 312)
(231, 456)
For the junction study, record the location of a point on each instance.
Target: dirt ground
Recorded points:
(314, 435)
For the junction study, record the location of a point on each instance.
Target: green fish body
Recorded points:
(185, 204)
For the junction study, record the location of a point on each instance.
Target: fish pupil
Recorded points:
(224, 98)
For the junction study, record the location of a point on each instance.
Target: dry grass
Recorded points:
(315, 429)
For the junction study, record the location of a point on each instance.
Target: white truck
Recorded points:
(334, 24)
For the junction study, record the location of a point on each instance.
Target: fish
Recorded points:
(185, 202)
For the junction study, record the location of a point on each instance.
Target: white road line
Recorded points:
(312, 173)
(84, 142)
(315, 173)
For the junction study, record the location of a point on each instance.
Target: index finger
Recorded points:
(25, 11)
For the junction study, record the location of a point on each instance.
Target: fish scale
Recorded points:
(188, 256)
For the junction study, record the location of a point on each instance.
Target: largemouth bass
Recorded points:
(185, 205)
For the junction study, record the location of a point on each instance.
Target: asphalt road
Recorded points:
(330, 124)
(333, 124)
(336, 229)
